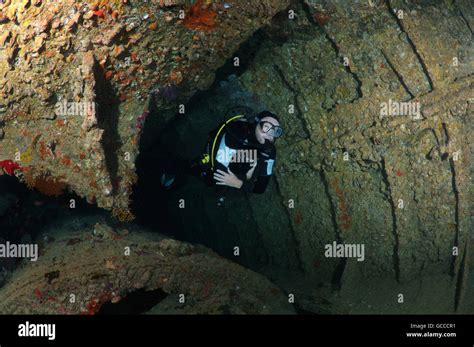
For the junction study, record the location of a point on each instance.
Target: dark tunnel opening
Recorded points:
(157, 208)
(24, 209)
(150, 202)
(137, 302)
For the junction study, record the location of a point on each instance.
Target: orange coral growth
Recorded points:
(200, 17)
(93, 184)
(66, 160)
(45, 184)
(44, 151)
(298, 218)
(176, 77)
(29, 180)
(321, 18)
(344, 220)
(123, 214)
(49, 54)
(99, 13)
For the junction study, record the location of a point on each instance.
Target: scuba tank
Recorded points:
(239, 110)
(235, 113)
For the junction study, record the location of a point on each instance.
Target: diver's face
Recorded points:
(260, 134)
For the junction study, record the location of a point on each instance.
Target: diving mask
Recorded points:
(272, 130)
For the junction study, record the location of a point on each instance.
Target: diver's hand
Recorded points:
(227, 179)
(253, 165)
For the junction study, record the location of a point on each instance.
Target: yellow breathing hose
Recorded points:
(217, 136)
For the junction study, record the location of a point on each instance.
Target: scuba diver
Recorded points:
(240, 153)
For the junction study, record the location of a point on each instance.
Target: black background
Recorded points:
(223, 330)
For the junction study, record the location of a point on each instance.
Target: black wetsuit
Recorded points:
(235, 148)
